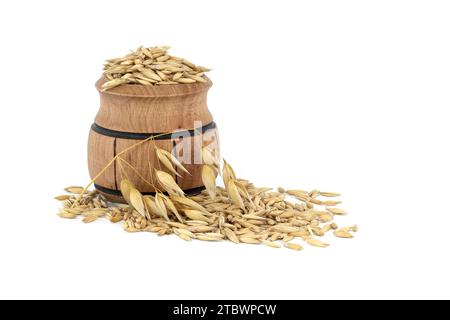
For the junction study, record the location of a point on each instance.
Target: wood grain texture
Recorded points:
(101, 148)
(147, 109)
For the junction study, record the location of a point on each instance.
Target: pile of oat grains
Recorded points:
(151, 66)
(238, 212)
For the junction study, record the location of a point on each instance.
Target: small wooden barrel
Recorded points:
(178, 118)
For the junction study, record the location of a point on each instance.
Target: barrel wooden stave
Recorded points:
(100, 149)
(167, 114)
(151, 109)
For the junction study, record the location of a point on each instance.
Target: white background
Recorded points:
(347, 96)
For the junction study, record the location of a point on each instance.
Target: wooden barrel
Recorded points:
(178, 118)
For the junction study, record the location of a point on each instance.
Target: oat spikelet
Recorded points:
(168, 159)
(168, 183)
(235, 197)
(337, 211)
(249, 240)
(166, 162)
(188, 203)
(171, 207)
(185, 80)
(285, 228)
(125, 188)
(195, 215)
(137, 202)
(206, 238)
(209, 157)
(293, 246)
(75, 190)
(242, 190)
(90, 218)
(176, 162)
(231, 235)
(330, 203)
(227, 173)
(209, 180)
(63, 197)
(329, 194)
(342, 234)
(216, 235)
(185, 237)
(117, 218)
(316, 243)
(67, 215)
(161, 206)
(272, 244)
(150, 74)
(299, 194)
(149, 202)
(113, 83)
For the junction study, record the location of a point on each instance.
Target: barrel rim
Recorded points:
(143, 91)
